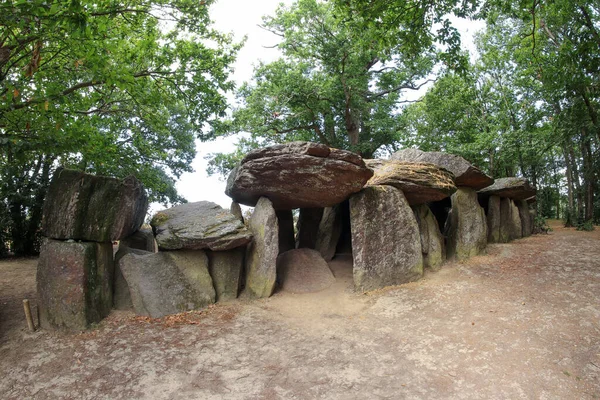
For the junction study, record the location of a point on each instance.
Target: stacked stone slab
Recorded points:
(466, 226)
(508, 212)
(83, 214)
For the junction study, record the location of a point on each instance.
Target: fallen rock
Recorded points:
(513, 188)
(420, 182)
(494, 219)
(262, 251)
(330, 230)
(287, 241)
(432, 240)
(297, 175)
(303, 271)
(74, 283)
(197, 226)
(386, 243)
(80, 206)
(309, 220)
(168, 283)
(225, 268)
(141, 240)
(526, 227)
(465, 174)
(467, 230)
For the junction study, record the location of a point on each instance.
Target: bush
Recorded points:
(587, 226)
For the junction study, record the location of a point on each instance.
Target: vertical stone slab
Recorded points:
(505, 220)
(386, 244)
(516, 231)
(532, 216)
(262, 251)
(493, 219)
(121, 293)
(74, 283)
(308, 227)
(432, 241)
(236, 210)
(330, 230)
(467, 233)
(287, 241)
(526, 227)
(225, 269)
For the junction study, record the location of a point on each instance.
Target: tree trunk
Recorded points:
(588, 176)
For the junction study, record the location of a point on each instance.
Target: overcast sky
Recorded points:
(242, 17)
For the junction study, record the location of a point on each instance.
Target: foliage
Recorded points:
(587, 226)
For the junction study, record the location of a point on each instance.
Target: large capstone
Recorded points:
(432, 240)
(197, 226)
(386, 243)
(303, 271)
(420, 182)
(262, 251)
(167, 283)
(74, 283)
(465, 174)
(225, 269)
(309, 220)
(297, 175)
(80, 206)
(330, 230)
(467, 230)
(513, 188)
(494, 219)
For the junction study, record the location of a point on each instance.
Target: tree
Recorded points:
(342, 77)
(107, 87)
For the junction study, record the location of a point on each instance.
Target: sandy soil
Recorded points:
(522, 322)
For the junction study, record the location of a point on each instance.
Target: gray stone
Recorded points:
(525, 217)
(197, 226)
(303, 271)
(262, 251)
(80, 206)
(494, 219)
(513, 188)
(467, 233)
(465, 174)
(74, 283)
(330, 230)
(236, 210)
(432, 240)
(308, 227)
(420, 182)
(121, 294)
(168, 283)
(297, 175)
(515, 230)
(386, 243)
(141, 240)
(287, 241)
(225, 269)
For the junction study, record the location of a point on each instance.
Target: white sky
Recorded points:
(242, 17)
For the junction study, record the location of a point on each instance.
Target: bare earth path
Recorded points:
(522, 322)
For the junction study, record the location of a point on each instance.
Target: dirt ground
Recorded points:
(522, 322)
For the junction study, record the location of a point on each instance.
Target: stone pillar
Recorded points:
(330, 230)
(493, 219)
(432, 241)
(285, 220)
(308, 227)
(467, 233)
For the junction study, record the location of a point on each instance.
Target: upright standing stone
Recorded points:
(386, 244)
(236, 210)
(225, 269)
(121, 293)
(505, 220)
(330, 230)
(493, 219)
(432, 241)
(467, 235)
(308, 227)
(525, 217)
(262, 251)
(74, 283)
(516, 231)
(287, 241)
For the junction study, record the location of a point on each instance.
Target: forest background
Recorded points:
(120, 88)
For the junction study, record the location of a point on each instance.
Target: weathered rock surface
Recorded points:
(432, 241)
(505, 220)
(309, 220)
(465, 174)
(420, 182)
(225, 268)
(74, 283)
(141, 240)
(297, 175)
(385, 239)
(197, 226)
(494, 219)
(513, 188)
(262, 251)
(516, 230)
(167, 283)
(526, 227)
(303, 271)
(467, 231)
(330, 230)
(287, 241)
(121, 294)
(80, 206)
(236, 210)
